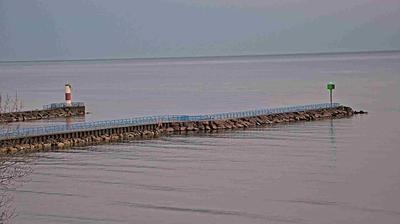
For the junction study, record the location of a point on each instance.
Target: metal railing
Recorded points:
(96, 125)
(62, 105)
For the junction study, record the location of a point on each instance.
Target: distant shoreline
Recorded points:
(200, 57)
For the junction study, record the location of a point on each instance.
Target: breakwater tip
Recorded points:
(360, 112)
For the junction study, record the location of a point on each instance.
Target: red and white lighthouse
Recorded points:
(68, 96)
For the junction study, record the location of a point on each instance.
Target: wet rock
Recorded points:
(114, 138)
(148, 134)
(47, 146)
(4, 150)
(39, 147)
(360, 112)
(13, 150)
(106, 139)
(67, 144)
(213, 126)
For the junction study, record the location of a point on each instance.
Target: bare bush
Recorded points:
(13, 171)
(10, 104)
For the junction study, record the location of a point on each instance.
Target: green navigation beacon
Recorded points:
(330, 87)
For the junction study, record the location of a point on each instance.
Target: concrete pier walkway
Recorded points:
(89, 133)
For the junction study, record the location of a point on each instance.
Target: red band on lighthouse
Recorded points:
(67, 96)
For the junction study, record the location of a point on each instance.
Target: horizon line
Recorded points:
(199, 57)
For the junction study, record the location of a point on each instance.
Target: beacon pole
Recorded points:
(330, 87)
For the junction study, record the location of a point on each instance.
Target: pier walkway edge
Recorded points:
(99, 125)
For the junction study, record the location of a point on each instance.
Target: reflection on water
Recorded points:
(333, 142)
(13, 171)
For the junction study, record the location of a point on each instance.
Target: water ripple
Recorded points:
(209, 212)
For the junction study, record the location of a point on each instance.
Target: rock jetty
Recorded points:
(64, 141)
(42, 114)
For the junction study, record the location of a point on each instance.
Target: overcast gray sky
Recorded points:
(77, 29)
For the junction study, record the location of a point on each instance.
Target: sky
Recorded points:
(97, 29)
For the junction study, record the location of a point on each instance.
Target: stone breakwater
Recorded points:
(93, 137)
(42, 114)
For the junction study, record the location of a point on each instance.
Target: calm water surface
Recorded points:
(332, 171)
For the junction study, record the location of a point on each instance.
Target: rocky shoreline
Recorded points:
(42, 114)
(156, 130)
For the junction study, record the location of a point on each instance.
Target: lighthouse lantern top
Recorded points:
(330, 86)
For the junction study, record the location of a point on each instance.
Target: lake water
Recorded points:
(331, 171)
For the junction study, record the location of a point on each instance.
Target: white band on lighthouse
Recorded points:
(68, 96)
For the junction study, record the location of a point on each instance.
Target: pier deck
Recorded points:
(100, 131)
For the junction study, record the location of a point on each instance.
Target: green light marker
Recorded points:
(330, 87)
